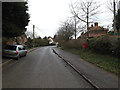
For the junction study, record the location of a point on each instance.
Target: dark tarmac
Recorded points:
(41, 68)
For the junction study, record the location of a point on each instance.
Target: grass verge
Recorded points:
(106, 62)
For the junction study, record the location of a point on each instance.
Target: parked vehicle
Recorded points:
(14, 51)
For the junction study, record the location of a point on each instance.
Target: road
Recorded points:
(41, 68)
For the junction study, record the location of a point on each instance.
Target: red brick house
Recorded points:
(20, 40)
(94, 32)
(97, 31)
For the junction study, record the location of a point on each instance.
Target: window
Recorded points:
(23, 48)
(10, 47)
(20, 48)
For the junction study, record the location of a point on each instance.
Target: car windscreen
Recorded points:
(10, 47)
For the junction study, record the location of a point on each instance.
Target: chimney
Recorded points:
(92, 25)
(96, 23)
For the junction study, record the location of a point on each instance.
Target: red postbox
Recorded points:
(85, 45)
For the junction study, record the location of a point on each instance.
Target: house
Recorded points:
(17, 40)
(50, 40)
(94, 32)
(22, 39)
(97, 31)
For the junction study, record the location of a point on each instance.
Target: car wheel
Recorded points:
(18, 57)
(25, 54)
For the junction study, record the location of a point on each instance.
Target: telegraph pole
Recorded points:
(87, 23)
(33, 34)
(33, 31)
(75, 27)
(114, 23)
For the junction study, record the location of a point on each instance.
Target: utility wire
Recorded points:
(39, 29)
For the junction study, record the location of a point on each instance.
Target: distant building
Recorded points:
(22, 39)
(94, 31)
(18, 40)
(97, 31)
(50, 40)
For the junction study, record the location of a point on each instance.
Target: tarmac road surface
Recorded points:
(41, 68)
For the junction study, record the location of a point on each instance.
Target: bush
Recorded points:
(77, 44)
(116, 48)
(29, 43)
(100, 45)
(103, 45)
(4, 41)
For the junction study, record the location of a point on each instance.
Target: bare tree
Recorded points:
(74, 22)
(113, 7)
(77, 26)
(29, 34)
(66, 31)
(110, 5)
(84, 11)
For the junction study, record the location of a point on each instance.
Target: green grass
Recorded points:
(106, 62)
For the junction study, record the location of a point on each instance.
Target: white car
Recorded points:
(14, 51)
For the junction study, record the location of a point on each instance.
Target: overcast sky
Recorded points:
(47, 15)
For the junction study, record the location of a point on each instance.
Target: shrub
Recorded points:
(77, 44)
(100, 45)
(4, 41)
(61, 43)
(116, 48)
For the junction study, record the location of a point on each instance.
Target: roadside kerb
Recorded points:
(11, 60)
(32, 49)
(7, 62)
(70, 64)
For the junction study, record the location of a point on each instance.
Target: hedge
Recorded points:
(105, 45)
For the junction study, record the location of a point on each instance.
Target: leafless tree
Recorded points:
(85, 10)
(77, 26)
(66, 30)
(110, 5)
(113, 6)
(75, 22)
(29, 34)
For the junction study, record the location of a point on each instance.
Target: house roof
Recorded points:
(98, 28)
